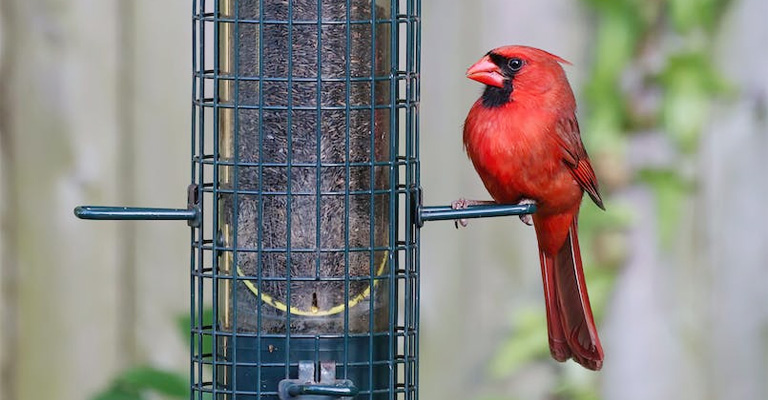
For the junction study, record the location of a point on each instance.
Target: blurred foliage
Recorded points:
(145, 381)
(652, 73)
(136, 383)
(690, 80)
(671, 190)
(530, 326)
(185, 321)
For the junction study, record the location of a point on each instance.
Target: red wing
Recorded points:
(576, 158)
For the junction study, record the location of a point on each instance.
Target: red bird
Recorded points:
(523, 139)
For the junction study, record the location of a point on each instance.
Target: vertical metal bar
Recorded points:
(372, 210)
(289, 195)
(193, 246)
(347, 177)
(416, 231)
(319, 138)
(235, 80)
(404, 104)
(395, 216)
(222, 151)
(260, 212)
(412, 279)
(198, 315)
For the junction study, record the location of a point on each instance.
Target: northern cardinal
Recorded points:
(523, 139)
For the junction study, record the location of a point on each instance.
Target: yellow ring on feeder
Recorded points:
(314, 313)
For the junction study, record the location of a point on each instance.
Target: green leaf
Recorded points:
(527, 342)
(146, 378)
(618, 31)
(118, 393)
(617, 36)
(600, 282)
(690, 15)
(617, 215)
(575, 392)
(671, 191)
(606, 117)
(183, 323)
(496, 397)
(689, 81)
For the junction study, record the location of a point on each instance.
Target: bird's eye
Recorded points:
(515, 64)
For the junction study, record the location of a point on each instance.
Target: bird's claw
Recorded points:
(460, 204)
(526, 218)
(463, 203)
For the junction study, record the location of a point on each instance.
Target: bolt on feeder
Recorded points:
(305, 204)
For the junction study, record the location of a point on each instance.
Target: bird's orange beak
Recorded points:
(487, 72)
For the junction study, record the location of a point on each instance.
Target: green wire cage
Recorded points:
(305, 202)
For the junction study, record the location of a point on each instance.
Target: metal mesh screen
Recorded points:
(305, 156)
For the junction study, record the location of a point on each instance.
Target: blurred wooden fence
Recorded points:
(95, 110)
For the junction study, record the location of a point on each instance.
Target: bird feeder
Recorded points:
(305, 203)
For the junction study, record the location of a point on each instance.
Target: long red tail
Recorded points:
(572, 331)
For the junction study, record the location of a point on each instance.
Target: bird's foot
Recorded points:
(462, 204)
(526, 218)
